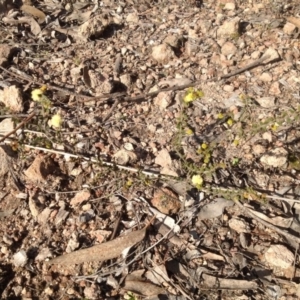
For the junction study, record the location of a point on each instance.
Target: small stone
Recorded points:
(86, 207)
(279, 256)
(229, 6)
(266, 102)
(172, 40)
(273, 55)
(12, 98)
(132, 18)
(20, 259)
(289, 28)
(163, 99)
(266, 77)
(48, 291)
(228, 49)
(7, 239)
(5, 51)
(126, 80)
(128, 147)
(163, 53)
(41, 167)
(4, 250)
(267, 136)
(275, 89)
(228, 88)
(258, 149)
(166, 201)
(276, 158)
(4, 161)
(255, 55)
(229, 28)
(239, 225)
(123, 157)
(80, 197)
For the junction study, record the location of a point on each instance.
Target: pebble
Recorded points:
(229, 28)
(162, 53)
(289, 28)
(228, 49)
(20, 259)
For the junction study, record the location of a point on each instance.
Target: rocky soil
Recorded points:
(149, 149)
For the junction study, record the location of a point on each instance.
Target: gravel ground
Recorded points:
(149, 149)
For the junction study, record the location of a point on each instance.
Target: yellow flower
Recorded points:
(56, 121)
(192, 95)
(230, 122)
(197, 181)
(236, 142)
(189, 131)
(275, 126)
(37, 94)
(129, 183)
(204, 146)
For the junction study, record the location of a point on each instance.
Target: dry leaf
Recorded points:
(33, 11)
(136, 284)
(278, 220)
(105, 251)
(223, 283)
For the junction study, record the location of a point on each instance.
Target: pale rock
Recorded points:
(204, 25)
(266, 77)
(43, 254)
(255, 54)
(80, 197)
(44, 215)
(172, 40)
(258, 149)
(229, 6)
(49, 291)
(20, 259)
(163, 53)
(73, 243)
(279, 256)
(123, 157)
(275, 158)
(6, 126)
(163, 159)
(5, 51)
(128, 146)
(266, 102)
(228, 88)
(228, 49)
(132, 18)
(273, 55)
(289, 28)
(239, 225)
(267, 136)
(229, 28)
(126, 80)
(4, 161)
(12, 98)
(163, 100)
(41, 167)
(94, 26)
(123, 51)
(275, 89)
